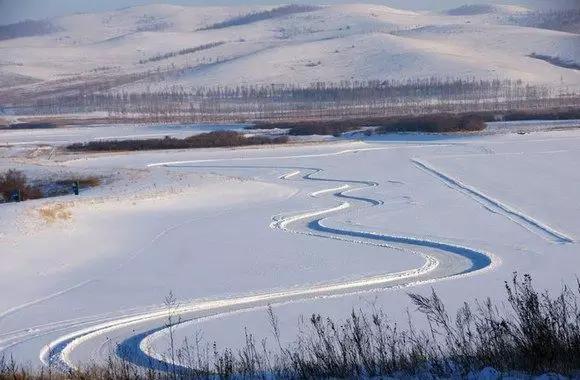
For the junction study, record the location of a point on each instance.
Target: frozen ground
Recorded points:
(306, 228)
(77, 134)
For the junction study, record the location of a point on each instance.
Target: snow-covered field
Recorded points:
(330, 44)
(306, 228)
(79, 134)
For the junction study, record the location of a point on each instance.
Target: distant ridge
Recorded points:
(174, 49)
(481, 9)
(262, 15)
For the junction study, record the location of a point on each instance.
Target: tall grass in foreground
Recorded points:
(530, 333)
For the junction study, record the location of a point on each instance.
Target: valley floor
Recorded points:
(305, 228)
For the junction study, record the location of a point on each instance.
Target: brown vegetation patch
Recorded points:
(54, 212)
(14, 180)
(443, 123)
(204, 140)
(83, 181)
(438, 123)
(31, 125)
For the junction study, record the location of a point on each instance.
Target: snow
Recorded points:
(478, 9)
(320, 227)
(78, 134)
(333, 43)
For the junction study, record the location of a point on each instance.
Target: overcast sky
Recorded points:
(16, 10)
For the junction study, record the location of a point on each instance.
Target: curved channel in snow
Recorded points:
(441, 261)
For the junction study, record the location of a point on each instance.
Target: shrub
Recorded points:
(321, 129)
(204, 140)
(40, 125)
(442, 123)
(13, 180)
(569, 114)
(307, 128)
(386, 124)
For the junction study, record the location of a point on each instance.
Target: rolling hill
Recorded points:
(158, 47)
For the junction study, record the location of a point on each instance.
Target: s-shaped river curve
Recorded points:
(441, 261)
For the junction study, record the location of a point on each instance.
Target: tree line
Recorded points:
(192, 50)
(262, 15)
(318, 100)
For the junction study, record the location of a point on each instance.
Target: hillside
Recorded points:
(160, 47)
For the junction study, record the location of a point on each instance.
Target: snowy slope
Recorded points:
(332, 43)
(486, 9)
(213, 226)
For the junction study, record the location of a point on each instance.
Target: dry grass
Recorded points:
(529, 333)
(83, 181)
(88, 181)
(13, 180)
(55, 212)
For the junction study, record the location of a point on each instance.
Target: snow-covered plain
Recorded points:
(79, 134)
(330, 44)
(307, 228)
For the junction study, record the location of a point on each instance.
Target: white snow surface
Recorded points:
(331, 44)
(307, 228)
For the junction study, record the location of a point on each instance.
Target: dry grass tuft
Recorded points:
(54, 212)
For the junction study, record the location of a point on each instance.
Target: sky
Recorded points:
(17, 10)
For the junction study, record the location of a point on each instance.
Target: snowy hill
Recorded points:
(479, 9)
(157, 47)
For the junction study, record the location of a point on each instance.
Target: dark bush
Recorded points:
(442, 123)
(570, 114)
(430, 123)
(336, 130)
(204, 140)
(30, 126)
(13, 180)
